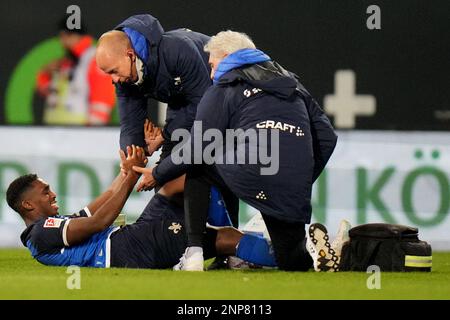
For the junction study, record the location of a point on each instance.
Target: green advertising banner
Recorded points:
(372, 177)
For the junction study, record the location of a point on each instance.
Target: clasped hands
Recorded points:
(136, 160)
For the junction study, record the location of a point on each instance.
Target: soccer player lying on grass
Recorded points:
(87, 238)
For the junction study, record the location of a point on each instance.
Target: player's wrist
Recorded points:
(132, 177)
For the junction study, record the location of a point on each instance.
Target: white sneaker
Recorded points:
(341, 237)
(191, 260)
(324, 257)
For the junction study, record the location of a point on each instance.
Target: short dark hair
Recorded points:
(16, 190)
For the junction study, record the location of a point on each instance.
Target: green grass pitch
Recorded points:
(21, 277)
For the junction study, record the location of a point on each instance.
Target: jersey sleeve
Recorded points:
(50, 234)
(83, 213)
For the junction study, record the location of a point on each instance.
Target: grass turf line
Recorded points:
(21, 277)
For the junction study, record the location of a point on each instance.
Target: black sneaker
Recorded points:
(319, 247)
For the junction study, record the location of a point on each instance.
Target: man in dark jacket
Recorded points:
(251, 92)
(145, 62)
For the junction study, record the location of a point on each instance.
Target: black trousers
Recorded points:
(288, 239)
(289, 244)
(197, 189)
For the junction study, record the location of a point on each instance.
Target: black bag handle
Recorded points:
(383, 231)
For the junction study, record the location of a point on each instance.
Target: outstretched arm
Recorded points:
(105, 196)
(81, 229)
(213, 112)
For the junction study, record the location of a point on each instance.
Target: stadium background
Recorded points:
(391, 166)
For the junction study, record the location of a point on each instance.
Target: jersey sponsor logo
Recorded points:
(248, 93)
(53, 223)
(271, 124)
(175, 227)
(261, 196)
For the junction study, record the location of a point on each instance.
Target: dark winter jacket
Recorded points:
(264, 95)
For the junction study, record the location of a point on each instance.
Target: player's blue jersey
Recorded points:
(47, 241)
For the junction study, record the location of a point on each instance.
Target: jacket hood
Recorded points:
(151, 29)
(238, 59)
(268, 76)
(147, 25)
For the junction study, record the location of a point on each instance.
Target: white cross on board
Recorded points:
(344, 104)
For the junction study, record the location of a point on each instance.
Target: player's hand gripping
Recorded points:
(135, 158)
(153, 137)
(147, 182)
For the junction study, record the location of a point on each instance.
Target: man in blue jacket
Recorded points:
(145, 62)
(252, 92)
